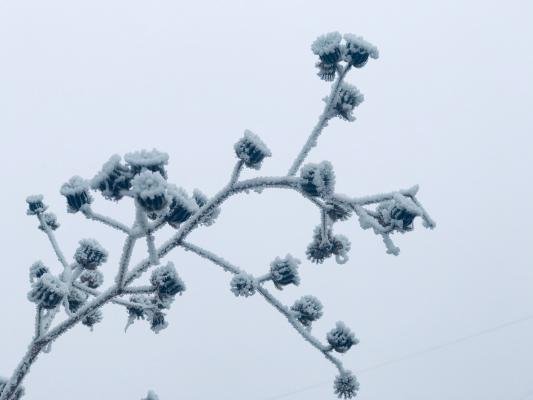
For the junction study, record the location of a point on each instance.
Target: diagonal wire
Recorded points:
(418, 354)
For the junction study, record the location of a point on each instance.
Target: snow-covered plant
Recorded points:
(75, 288)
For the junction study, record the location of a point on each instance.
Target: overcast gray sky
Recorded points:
(447, 106)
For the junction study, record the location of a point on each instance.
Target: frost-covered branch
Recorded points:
(78, 289)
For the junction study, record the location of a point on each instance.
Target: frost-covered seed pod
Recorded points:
(150, 190)
(201, 199)
(76, 191)
(35, 204)
(341, 338)
(93, 318)
(339, 208)
(181, 207)
(76, 298)
(90, 254)
(243, 284)
(154, 161)
(359, 50)
(143, 301)
(328, 47)
(48, 291)
(92, 278)
(284, 271)
(113, 179)
(326, 72)
(251, 149)
(157, 321)
(397, 215)
(37, 270)
(151, 396)
(50, 220)
(401, 214)
(321, 247)
(166, 280)
(307, 309)
(345, 385)
(318, 179)
(19, 392)
(346, 99)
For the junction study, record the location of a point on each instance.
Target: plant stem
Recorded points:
(321, 124)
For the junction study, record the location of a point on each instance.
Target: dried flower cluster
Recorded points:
(74, 285)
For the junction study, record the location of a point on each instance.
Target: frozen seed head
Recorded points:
(50, 220)
(93, 318)
(284, 271)
(76, 298)
(90, 254)
(358, 50)
(35, 204)
(166, 280)
(318, 179)
(181, 206)
(113, 179)
(48, 291)
(201, 199)
(326, 72)
(346, 99)
(340, 338)
(76, 191)
(346, 385)
(307, 309)
(37, 270)
(398, 213)
(243, 284)
(19, 392)
(137, 310)
(154, 161)
(150, 190)
(321, 247)
(251, 150)
(92, 278)
(157, 321)
(339, 208)
(328, 47)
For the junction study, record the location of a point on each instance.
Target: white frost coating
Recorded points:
(358, 41)
(327, 43)
(146, 159)
(146, 176)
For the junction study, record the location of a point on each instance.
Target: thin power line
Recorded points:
(418, 354)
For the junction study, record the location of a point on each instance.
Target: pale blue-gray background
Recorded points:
(447, 106)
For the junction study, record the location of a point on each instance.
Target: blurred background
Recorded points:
(447, 106)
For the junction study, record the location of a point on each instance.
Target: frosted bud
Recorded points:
(243, 284)
(339, 208)
(346, 99)
(307, 309)
(50, 220)
(150, 191)
(345, 385)
(359, 50)
(37, 270)
(90, 254)
(284, 271)
(93, 318)
(318, 179)
(166, 280)
(113, 179)
(251, 150)
(154, 161)
(92, 278)
(35, 204)
(181, 207)
(328, 47)
(341, 338)
(48, 291)
(76, 298)
(76, 191)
